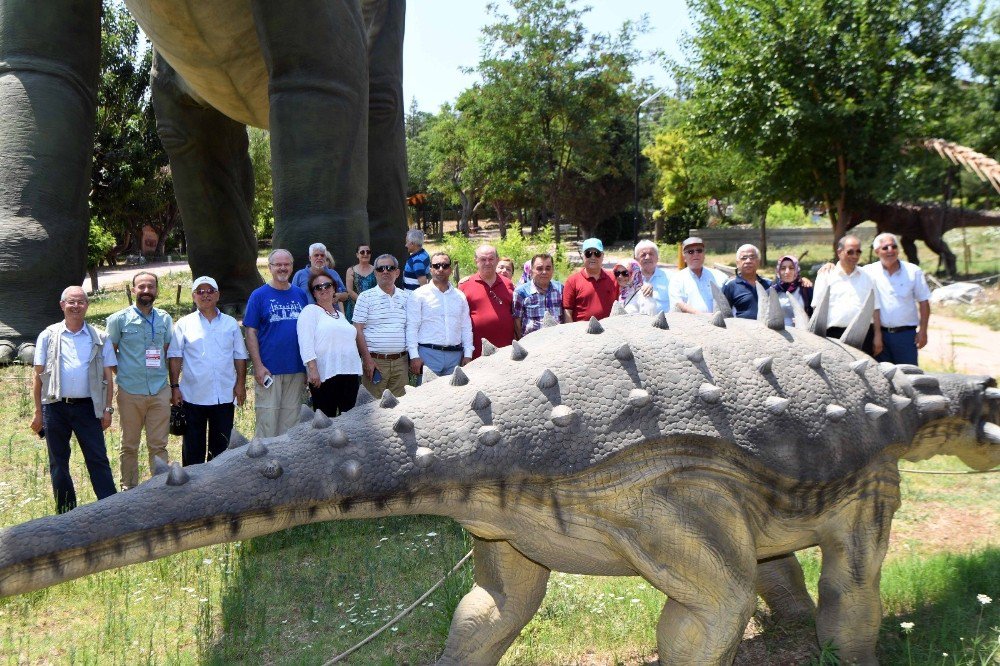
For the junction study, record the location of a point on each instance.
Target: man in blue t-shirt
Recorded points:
(418, 265)
(273, 344)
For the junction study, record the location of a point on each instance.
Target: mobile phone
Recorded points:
(41, 433)
(376, 376)
(268, 381)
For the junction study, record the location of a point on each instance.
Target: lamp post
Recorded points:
(638, 109)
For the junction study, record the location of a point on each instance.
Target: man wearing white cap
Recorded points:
(210, 358)
(691, 287)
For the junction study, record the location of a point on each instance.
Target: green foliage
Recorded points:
(781, 216)
(99, 243)
(819, 95)
(462, 251)
(263, 202)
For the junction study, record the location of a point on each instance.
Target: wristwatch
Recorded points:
(173, 386)
(109, 410)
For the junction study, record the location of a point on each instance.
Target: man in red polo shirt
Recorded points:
(591, 291)
(490, 296)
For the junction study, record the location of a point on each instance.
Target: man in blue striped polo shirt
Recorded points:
(417, 267)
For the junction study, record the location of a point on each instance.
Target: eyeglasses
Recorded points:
(75, 302)
(364, 251)
(205, 292)
(890, 246)
(590, 254)
(441, 266)
(621, 273)
(852, 253)
(695, 250)
(385, 269)
(323, 286)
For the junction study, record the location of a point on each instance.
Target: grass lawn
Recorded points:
(303, 595)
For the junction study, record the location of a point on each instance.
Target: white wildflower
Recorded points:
(907, 626)
(983, 599)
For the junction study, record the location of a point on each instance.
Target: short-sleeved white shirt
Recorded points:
(899, 293)
(686, 287)
(384, 319)
(207, 350)
(848, 293)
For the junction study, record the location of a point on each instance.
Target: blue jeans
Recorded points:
(61, 420)
(899, 347)
(440, 362)
(219, 421)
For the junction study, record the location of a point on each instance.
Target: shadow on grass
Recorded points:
(307, 594)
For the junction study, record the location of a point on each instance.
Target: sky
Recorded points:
(443, 36)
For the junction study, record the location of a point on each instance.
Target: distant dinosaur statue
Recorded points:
(912, 222)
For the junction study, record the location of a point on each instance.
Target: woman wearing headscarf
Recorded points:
(791, 287)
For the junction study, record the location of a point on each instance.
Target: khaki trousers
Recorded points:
(395, 376)
(135, 412)
(276, 409)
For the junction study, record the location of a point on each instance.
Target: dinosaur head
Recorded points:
(960, 415)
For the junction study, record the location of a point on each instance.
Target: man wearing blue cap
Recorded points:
(591, 291)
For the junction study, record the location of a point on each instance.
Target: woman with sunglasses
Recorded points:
(360, 277)
(629, 282)
(791, 286)
(329, 349)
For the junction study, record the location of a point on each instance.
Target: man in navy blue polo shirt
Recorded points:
(741, 290)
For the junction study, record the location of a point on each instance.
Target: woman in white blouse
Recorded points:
(329, 348)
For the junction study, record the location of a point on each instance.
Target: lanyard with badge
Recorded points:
(154, 355)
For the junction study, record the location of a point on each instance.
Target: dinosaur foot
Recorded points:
(11, 352)
(7, 352)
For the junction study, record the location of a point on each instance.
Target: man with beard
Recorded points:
(273, 344)
(141, 335)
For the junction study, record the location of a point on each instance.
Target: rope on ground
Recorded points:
(403, 613)
(931, 471)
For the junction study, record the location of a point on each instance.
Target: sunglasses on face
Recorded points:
(852, 253)
(441, 266)
(621, 273)
(590, 254)
(364, 251)
(323, 286)
(205, 292)
(890, 246)
(385, 269)
(695, 250)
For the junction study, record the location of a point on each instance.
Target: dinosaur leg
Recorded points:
(509, 588)
(701, 554)
(49, 64)
(781, 584)
(386, 136)
(910, 248)
(317, 61)
(213, 183)
(937, 244)
(850, 609)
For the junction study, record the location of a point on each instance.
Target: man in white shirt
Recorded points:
(210, 358)
(691, 288)
(380, 317)
(849, 287)
(653, 296)
(438, 326)
(905, 300)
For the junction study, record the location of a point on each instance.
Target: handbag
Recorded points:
(178, 420)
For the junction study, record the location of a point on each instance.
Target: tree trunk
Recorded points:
(92, 272)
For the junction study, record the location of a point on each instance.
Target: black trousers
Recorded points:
(62, 420)
(336, 395)
(868, 346)
(218, 419)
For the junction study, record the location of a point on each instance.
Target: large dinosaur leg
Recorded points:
(317, 62)
(386, 140)
(213, 183)
(782, 585)
(49, 62)
(937, 244)
(509, 589)
(850, 609)
(910, 248)
(700, 553)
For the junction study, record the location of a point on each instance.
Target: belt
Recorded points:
(443, 348)
(74, 401)
(387, 357)
(898, 329)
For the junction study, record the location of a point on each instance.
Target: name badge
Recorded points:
(153, 358)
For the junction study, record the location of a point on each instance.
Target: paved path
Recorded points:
(109, 278)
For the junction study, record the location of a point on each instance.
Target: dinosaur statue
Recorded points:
(697, 452)
(325, 76)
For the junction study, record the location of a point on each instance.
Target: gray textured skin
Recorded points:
(614, 448)
(325, 76)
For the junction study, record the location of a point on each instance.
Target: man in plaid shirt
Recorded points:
(537, 296)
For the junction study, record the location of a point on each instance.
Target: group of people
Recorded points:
(310, 328)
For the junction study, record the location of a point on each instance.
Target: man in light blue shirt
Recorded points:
(691, 288)
(141, 335)
(653, 296)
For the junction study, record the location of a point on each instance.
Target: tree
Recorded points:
(819, 95)
(130, 180)
(263, 201)
(452, 143)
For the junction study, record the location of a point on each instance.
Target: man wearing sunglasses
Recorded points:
(849, 287)
(438, 326)
(592, 290)
(208, 357)
(691, 287)
(380, 317)
(905, 300)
